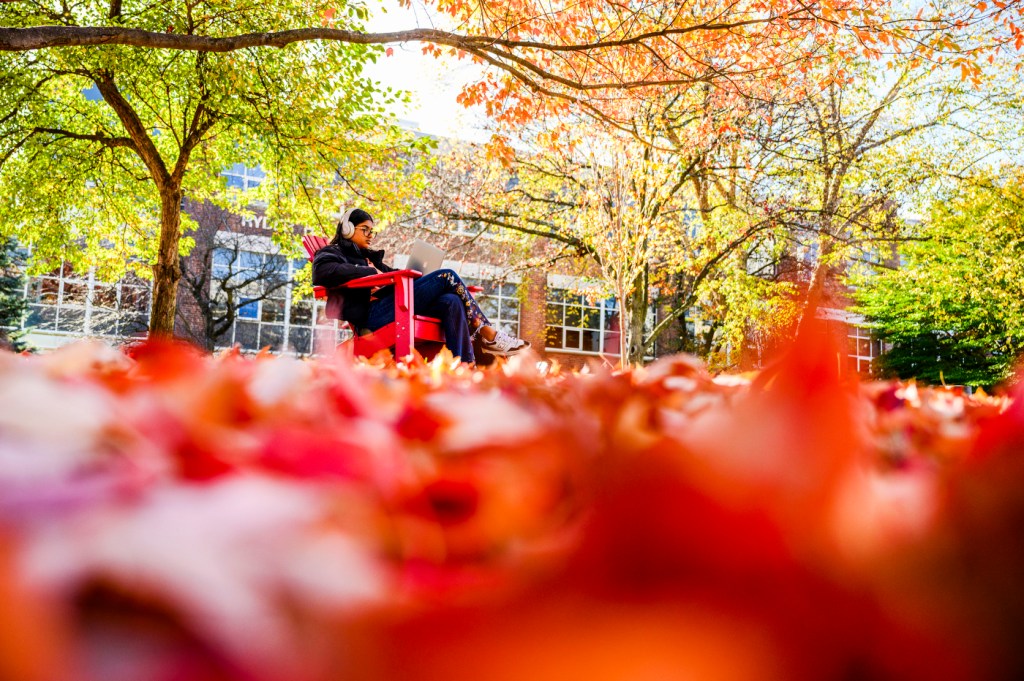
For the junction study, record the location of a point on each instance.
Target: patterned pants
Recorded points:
(440, 294)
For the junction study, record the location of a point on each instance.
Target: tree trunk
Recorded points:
(816, 288)
(167, 270)
(632, 315)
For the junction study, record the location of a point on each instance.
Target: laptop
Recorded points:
(424, 257)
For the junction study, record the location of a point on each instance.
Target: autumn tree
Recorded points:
(624, 210)
(854, 145)
(953, 310)
(592, 60)
(99, 146)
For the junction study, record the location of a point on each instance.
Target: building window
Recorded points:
(240, 176)
(577, 324)
(862, 350)
(265, 315)
(499, 303)
(70, 303)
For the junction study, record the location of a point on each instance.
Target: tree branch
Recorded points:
(112, 142)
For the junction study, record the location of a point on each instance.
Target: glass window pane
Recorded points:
(223, 340)
(103, 323)
(247, 335)
(489, 307)
(591, 319)
(134, 298)
(863, 347)
(302, 313)
(250, 261)
(249, 309)
(277, 263)
(553, 337)
(71, 319)
(272, 336)
(320, 314)
(509, 290)
(41, 317)
(591, 341)
(48, 290)
(74, 293)
(133, 325)
(572, 339)
(105, 296)
(299, 340)
(572, 315)
(253, 288)
(273, 310)
(223, 256)
(554, 315)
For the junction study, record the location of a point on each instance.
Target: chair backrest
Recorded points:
(313, 243)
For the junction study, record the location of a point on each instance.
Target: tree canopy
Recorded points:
(954, 309)
(98, 146)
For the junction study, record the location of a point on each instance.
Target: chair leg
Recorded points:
(404, 317)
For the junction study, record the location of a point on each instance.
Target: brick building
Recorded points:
(238, 290)
(542, 306)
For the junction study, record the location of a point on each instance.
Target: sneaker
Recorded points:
(505, 345)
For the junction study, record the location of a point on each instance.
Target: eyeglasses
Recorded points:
(367, 231)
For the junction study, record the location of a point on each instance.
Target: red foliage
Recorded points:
(269, 518)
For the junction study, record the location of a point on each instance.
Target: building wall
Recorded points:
(472, 257)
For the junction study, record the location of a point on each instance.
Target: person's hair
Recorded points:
(358, 216)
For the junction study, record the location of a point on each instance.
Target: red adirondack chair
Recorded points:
(407, 331)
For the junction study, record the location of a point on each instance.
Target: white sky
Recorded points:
(433, 82)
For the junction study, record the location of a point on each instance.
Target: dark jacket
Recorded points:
(335, 265)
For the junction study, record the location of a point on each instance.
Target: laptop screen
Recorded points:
(424, 257)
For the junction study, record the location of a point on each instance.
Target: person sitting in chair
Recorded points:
(440, 294)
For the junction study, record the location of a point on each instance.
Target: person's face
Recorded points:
(363, 235)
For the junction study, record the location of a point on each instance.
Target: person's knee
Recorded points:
(451, 304)
(451, 276)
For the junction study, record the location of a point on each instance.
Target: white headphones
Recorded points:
(348, 230)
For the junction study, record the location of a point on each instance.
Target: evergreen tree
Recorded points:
(12, 299)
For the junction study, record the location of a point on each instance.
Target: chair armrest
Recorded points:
(382, 279)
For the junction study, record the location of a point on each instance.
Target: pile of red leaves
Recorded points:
(166, 515)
